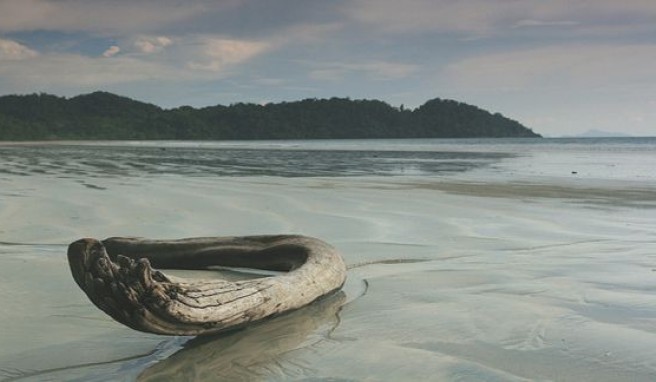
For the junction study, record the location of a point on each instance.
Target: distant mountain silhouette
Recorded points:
(102, 115)
(593, 133)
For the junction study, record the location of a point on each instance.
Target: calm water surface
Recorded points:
(329, 158)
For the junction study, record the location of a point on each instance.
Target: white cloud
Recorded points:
(566, 66)
(217, 54)
(111, 51)
(376, 70)
(11, 50)
(484, 17)
(191, 59)
(156, 44)
(56, 70)
(527, 23)
(270, 81)
(71, 15)
(420, 15)
(70, 70)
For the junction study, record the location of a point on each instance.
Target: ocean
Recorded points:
(472, 259)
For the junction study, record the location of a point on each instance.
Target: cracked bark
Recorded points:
(118, 277)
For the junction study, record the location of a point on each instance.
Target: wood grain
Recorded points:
(118, 276)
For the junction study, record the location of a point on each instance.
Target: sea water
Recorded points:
(485, 259)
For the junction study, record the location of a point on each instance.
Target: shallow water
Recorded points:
(469, 260)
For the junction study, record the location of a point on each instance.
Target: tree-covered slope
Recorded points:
(102, 115)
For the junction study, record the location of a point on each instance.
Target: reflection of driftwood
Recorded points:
(117, 276)
(247, 354)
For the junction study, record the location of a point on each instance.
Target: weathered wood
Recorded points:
(118, 277)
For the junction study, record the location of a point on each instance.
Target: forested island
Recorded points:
(106, 116)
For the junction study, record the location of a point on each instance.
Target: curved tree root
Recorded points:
(118, 277)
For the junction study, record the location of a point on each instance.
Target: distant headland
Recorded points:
(106, 116)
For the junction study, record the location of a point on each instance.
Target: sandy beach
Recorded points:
(495, 273)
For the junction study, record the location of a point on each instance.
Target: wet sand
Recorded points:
(449, 279)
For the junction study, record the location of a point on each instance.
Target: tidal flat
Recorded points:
(468, 260)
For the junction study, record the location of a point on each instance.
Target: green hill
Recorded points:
(103, 115)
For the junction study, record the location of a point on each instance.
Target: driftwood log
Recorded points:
(118, 277)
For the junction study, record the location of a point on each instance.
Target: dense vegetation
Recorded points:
(102, 115)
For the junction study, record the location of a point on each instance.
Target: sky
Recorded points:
(560, 67)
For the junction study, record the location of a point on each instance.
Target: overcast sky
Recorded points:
(557, 66)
